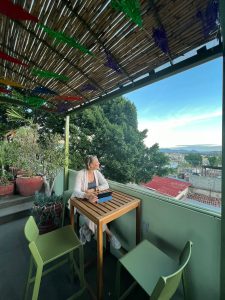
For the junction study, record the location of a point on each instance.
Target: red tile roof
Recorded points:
(167, 186)
(204, 199)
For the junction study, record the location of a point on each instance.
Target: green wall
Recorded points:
(169, 225)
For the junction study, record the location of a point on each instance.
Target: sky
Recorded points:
(184, 109)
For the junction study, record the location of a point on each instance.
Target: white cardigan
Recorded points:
(81, 183)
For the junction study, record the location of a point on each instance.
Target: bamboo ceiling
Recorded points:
(109, 34)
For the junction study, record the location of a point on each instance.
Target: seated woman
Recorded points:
(87, 182)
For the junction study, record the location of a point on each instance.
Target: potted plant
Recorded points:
(6, 185)
(6, 179)
(23, 155)
(48, 212)
(40, 153)
(48, 208)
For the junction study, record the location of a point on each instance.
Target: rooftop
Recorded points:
(167, 186)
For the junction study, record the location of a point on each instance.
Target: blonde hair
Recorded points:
(88, 160)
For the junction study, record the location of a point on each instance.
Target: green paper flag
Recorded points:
(34, 101)
(131, 8)
(47, 74)
(63, 38)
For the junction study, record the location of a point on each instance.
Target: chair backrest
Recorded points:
(35, 253)
(66, 196)
(166, 286)
(31, 230)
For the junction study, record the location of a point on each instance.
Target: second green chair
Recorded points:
(49, 247)
(153, 270)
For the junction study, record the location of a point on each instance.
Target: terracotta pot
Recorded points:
(7, 189)
(27, 186)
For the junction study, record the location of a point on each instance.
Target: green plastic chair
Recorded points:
(66, 196)
(48, 247)
(153, 270)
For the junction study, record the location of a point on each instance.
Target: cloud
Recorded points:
(178, 120)
(184, 129)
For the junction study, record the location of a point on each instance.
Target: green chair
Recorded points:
(153, 270)
(66, 196)
(48, 247)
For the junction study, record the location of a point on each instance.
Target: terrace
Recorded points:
(125, 58)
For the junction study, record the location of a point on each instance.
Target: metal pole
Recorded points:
(66, 165)
(222, 260)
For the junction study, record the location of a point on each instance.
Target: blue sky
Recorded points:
(184, 109)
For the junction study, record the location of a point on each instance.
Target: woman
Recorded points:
(87, 182)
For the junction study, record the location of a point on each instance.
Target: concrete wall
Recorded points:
(206, 192)
(206, 183)
(169, 224)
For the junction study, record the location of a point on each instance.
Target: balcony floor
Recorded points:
(14, 263)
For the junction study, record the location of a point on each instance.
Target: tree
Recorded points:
(110, 131)
(194, 159)
(213, 161)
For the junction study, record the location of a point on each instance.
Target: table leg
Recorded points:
(138, 224)
(100, 261)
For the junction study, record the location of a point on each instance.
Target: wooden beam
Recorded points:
(201, 57)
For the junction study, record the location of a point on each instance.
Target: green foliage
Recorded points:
(5, 178)
(24, 150)
(46, 209)
(43, 200)
(213, 161)
(194, 159)
(110, 132)
(51, 155)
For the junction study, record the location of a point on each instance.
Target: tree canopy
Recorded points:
(194, 159)
(110, 131)
(213, 161)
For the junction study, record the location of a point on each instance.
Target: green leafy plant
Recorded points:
(24, 150)
(36, 153)
(47, 210)
(5, 178)
(51, 157)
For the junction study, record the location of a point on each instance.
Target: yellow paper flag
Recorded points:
(10, 82)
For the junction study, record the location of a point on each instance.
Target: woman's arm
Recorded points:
(102, 182)
(77, 192)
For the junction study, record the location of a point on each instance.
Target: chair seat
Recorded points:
(146, 263)
(57, 243)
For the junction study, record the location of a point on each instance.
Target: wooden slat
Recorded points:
(102, 28)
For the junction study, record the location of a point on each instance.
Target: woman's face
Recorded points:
(94, 165)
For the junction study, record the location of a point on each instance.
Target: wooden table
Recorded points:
(103, 213)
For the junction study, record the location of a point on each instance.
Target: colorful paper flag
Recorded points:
(15, 11)
(12, 59)
(7, 81)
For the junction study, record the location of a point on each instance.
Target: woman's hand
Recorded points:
(92, 197)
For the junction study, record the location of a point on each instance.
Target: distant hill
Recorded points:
(204, 148)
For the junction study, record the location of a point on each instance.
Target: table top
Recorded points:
(107, 211)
